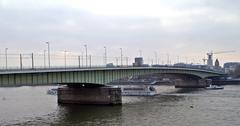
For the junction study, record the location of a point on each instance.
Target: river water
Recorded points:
(24, 106)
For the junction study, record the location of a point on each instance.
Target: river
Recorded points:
(23, 106)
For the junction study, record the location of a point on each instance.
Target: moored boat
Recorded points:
(214, 87)
(53, 91)
(138, 90)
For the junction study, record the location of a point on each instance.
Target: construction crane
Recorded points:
(210, 56)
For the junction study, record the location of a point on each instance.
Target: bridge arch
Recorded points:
(138, 72)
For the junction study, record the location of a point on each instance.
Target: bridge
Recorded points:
(91, 80)
(98, 75)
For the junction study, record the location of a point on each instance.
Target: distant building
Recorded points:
(217, 63)
(110, 65)
(139, 62)
(230, 66)
(210, 60)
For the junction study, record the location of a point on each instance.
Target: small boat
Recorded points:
(214, 87)
(52, 91)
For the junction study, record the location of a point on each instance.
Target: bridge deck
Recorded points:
(40, 70)
(90, 75)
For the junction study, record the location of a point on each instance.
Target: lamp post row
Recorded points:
(65, 62)
(81, 59)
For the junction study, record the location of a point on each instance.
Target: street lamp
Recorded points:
(117, 61)
(178, 59)
(90, 61)
(105, 55)
(186, 58)
(82, 58)
(168, 59)
(44, 55)
(65, 58)
(21, 64)
(48, 44)
(6, 49)
(86, 55)
(121, 56)
(156, 58)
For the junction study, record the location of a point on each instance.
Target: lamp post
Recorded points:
(86, 55)
(90, 61)
(186, 58)
(32, 62)
(82, 58)
(49, 62)
(65, 58)
(105, 55)
(168, 59)
(79, 61)
(117, 61)
(127, 61)
(21, 64)
(156, 58)
(121, 57)
(44, 57)
(6, 56)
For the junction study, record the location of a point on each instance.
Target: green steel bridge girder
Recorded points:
(90, 76)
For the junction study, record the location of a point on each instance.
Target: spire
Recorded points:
(217, 63)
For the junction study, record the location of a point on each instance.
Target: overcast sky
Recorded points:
(188, 28)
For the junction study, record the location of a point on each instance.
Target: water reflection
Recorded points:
(88, 115)
(132, 108)
(189, 90)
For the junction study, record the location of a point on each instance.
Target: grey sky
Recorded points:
(178, 27)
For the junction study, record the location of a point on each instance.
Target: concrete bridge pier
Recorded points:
(89, 95)
(201, 83)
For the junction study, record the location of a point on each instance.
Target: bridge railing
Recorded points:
(57, 60)
(35, 62)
